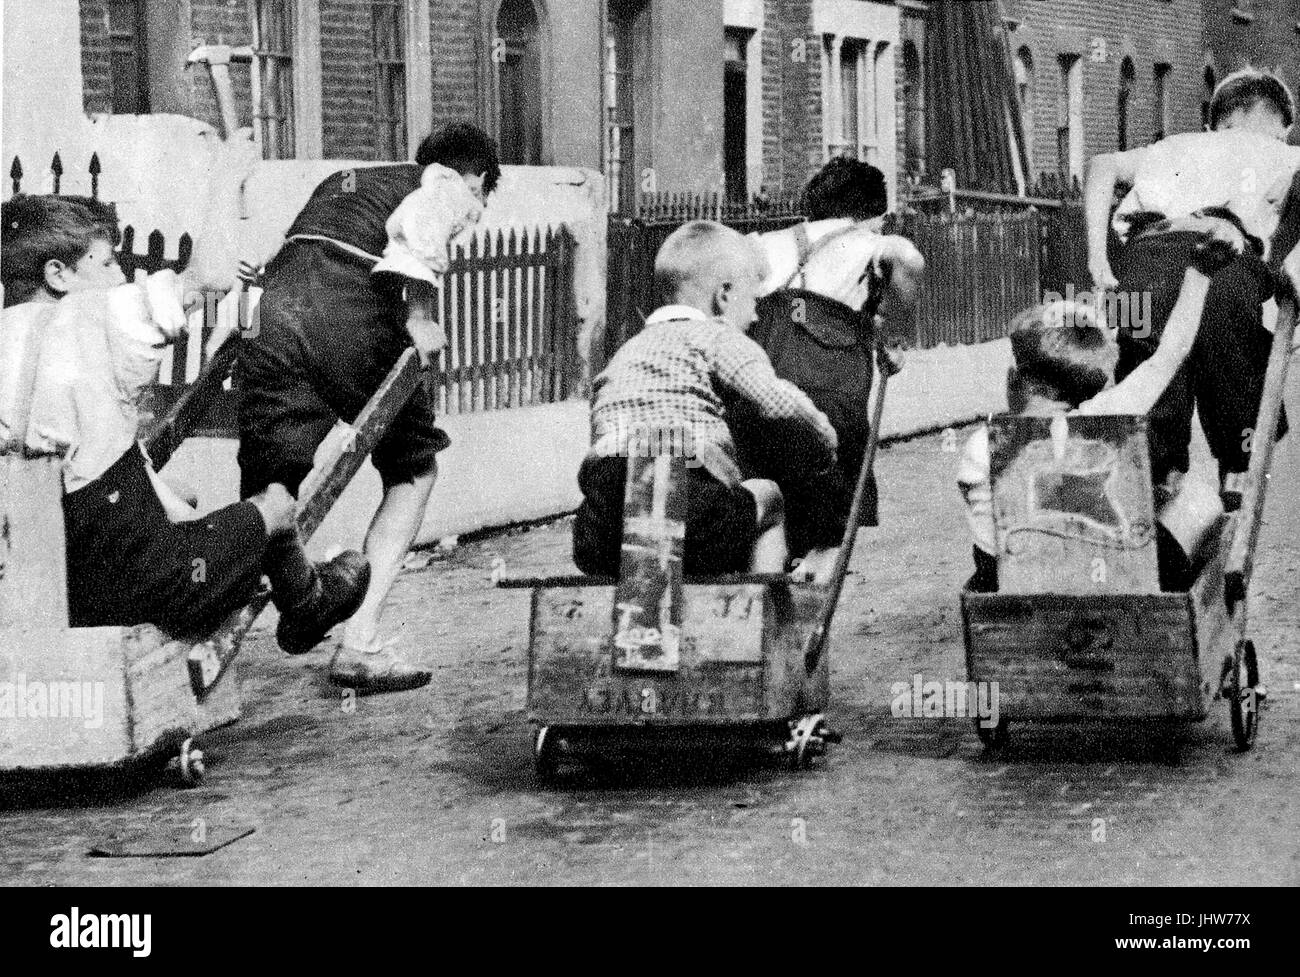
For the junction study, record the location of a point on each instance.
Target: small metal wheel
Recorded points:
(808, 738)
(995, 738)
(546, 758)
(190, 764)
(1242, 695)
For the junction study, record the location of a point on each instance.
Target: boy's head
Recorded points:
(469, 151)
(1255, 100)
(846, 187)
(53, 245)
(712, 268)
(1061, 353)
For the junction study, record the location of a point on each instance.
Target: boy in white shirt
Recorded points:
(1244, 171)
(78, 349)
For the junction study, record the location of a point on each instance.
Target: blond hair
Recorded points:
(704, 254)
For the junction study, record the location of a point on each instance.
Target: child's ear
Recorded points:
(721, 298)
(56, 275)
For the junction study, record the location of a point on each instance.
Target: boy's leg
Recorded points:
(389, 539)
(598, 525)
(1152, 269)
(406, 458)
(1230, 360)
(770, 552)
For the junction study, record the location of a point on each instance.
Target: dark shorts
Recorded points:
(721, 525)
(129, 564)
(1223, 376)
(826, 351)
(327, 337)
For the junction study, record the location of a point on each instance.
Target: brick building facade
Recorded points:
(1259, 33)
(734, 95)
(1096, 77)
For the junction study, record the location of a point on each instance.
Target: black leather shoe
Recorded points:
(340, 588)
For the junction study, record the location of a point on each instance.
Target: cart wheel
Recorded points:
(808, 738)
(190, 764)
(546, 754)
(1243, 703)
(995, 738)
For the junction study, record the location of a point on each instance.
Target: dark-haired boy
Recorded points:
(353, 286)
(78, 349)
(1242, 170)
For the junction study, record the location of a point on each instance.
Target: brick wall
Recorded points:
(347, 79)
(456, 49)
(1148, 31)
(220, 22)
(97, 87)
(1269, 39)
(792, 107)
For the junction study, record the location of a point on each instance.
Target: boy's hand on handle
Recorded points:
(890, 358)
(717, 463)
(1221, 243)
(1103, 278)
(427, 334)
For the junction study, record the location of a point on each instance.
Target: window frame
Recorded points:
(390, 50)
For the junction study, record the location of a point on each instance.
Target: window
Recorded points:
(1160, 103)
(734, 112)
(627, 98)
(1127, 75)
(519, 83)
(273, 77)
(1069, 126)
(388, 33)
(854, 70)
(1023, 68)
(128, 57)
(1211, 82)
(913, 110)
(850, 108)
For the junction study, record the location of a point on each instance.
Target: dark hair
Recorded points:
(846, 187)
(1247, 88)
(465, 148)
(38, 229)
(1060, 359)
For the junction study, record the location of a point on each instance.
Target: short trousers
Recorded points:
(721, 525)
(826, 350)
(1223, 376)
(129, 564)
(326, 338)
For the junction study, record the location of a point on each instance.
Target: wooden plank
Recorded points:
(572, 680)
(1073, 505)
(188, 409)
(33, 574)
(647, 607)
(1241, 556)
(1086, 657)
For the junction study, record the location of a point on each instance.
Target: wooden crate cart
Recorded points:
(1079, 629)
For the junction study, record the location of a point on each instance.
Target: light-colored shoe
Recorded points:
(375, 669)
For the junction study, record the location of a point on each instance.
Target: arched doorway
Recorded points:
(517, 57)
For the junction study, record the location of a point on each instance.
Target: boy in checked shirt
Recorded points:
(685, 375)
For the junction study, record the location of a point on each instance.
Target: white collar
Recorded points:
(668, 313)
